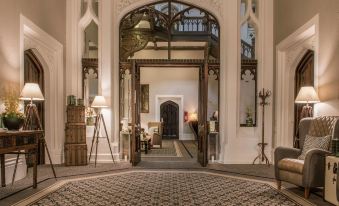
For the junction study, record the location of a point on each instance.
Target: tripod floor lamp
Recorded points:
(307, 95)
(99, 102)
(31, 92)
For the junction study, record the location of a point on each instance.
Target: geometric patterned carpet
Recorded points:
(175, 187)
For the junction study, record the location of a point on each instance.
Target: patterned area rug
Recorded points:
(169, 148)
(163, 188)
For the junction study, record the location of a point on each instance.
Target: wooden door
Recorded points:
(34, 73)
(202, 115)
(169, 113)
(304, 76)
(136, 127)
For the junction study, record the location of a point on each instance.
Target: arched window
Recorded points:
(248, 75)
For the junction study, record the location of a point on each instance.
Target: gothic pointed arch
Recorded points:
(167, 21)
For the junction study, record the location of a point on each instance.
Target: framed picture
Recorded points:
(144, 98)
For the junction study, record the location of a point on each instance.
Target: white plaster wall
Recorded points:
(171, 82)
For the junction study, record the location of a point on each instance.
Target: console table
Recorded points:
(12, 142)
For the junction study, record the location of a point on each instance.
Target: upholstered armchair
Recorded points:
(155, 130)
(307, 172)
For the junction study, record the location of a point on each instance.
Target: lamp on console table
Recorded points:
(307, 95)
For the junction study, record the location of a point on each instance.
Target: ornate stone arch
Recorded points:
(214, 7)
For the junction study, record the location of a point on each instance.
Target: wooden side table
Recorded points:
(331, 169)
(12, 142)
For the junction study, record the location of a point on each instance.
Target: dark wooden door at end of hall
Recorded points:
(169, 113)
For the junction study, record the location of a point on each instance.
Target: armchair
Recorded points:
(155, 130)
(310, 171)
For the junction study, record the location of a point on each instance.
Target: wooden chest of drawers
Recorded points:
(75, 114)
(75, 137)
(75, 154)
(75, 133)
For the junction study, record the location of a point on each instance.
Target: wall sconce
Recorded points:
(307, 95)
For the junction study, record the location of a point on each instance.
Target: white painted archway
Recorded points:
(289, 53)
(50, 53)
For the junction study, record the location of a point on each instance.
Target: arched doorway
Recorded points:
(157, 35)
(304, 76)
(169, 114)
(34, 73)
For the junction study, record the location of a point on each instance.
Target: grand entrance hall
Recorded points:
(169, 102)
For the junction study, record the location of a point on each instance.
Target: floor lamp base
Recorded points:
(99, 119)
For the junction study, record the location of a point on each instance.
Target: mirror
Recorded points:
(90, 63)
(90, 80)
(248, 76)
(213, 98)
(125, 99)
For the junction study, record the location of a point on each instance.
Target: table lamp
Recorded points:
(99, 102)
(306, 96)
(32, 92)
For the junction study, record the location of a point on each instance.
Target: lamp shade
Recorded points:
(99, 102)
(193, 116)
(31, 91)
(307, 95)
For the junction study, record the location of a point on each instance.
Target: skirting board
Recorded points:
(104, 158)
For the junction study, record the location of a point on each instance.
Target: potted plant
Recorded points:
(12, 117)
(90, 116)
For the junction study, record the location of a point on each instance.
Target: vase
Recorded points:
(13, 123)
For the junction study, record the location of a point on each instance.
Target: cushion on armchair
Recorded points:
(293, 165)
(312, 142)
